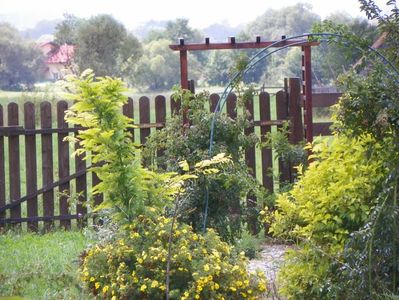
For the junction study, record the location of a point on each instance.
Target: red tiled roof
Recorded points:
(61, 55)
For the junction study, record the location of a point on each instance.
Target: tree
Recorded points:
(21, 63)
(157, 68)
(289, 21)
(180, 29)
(66, 32)
(103, 44)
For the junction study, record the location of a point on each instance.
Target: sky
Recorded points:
(201, 13)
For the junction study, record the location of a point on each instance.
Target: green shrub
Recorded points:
(227, 192)
(202, 266)
(332, 199)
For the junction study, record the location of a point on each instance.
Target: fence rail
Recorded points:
(38, 175)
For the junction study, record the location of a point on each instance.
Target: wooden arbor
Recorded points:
(258, 44)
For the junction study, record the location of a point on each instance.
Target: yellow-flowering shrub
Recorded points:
(201, 266)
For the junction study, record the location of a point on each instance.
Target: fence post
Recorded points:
(31, 164)
(14, 163)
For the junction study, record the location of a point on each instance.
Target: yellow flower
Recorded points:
(206, 268)
(105, 289)
(92, 279)
(97, 285)
(217, 286)
(197, 296)
(113, 298)
(154, 284)
(143, 288)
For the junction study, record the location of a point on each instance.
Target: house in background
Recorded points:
(58, 60)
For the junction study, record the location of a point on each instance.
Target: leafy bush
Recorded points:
(227, 192)
(130, 190)
(201, 266)
(370, 105)
(332, 199)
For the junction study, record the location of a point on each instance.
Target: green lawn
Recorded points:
(36, 266)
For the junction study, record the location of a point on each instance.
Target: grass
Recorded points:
(35, 266)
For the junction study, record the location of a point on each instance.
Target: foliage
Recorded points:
(129, 189)
(36, 266)
(343, 210)
(290, 154)
(21, 63)
(103, 43)
(331, 200)
(157, 68)
(66, 31)
(338, 57)
(153, 257)
(369, 105)
(179, 28)
(226, 191)
(292, 20)
(202, 266)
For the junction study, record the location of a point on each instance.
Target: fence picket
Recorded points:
(251, 162)
(63, 163)
(282, 114)
(14, 162)
(31, 164)
(266, 154)
(47, 163)
(128, 111)
(2, 169)
(81, 188)
(250, 153)
(144, 107)
(160, 117)
(175, 105)
(213, 99)
(295, 113)
(231, 106)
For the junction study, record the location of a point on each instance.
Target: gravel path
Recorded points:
(269, 260)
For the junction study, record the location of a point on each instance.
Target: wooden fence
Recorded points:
(37, 174)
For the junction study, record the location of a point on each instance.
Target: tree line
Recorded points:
(104, 45)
